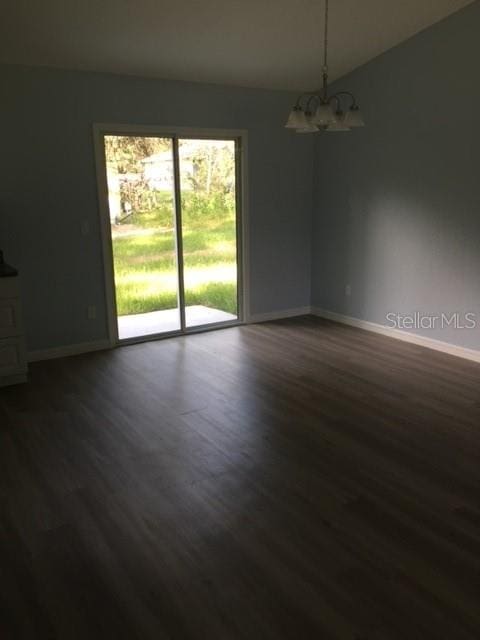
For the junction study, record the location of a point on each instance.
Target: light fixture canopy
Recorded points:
(325, 117)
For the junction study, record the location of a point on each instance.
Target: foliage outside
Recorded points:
(144, 236)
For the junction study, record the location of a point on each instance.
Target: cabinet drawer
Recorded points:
(10, 321)
(12, 356)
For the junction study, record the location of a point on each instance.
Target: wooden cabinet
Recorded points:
(13, 360)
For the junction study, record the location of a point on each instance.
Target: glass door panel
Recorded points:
(209, 230)
(141, 199)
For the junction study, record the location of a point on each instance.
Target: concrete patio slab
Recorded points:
(144, 324)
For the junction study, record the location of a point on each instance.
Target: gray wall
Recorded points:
(397, 205)
(48, 186)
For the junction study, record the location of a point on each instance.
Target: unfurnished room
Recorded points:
(240, 320)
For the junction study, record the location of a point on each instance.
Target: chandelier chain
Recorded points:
(325, 49)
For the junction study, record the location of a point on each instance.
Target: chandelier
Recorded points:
(317, 111)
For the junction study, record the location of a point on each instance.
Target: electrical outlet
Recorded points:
(91, 312)
(348, 290)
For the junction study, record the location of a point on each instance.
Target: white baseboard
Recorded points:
(99, 345)
(413, 338)
(278, 315)
(67, 350)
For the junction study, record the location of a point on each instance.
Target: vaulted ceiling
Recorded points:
(253, 43)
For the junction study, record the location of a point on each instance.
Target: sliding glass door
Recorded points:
(209, 230)
(174, 231)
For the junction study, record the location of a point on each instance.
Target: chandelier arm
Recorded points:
(313, 96)
(350, 95)
(309, 95)
(335, 97)
(298, 103)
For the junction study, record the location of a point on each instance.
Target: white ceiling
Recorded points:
(253, 43)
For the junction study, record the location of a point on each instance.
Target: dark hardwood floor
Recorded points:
(296, 479)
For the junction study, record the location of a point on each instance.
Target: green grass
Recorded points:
(145, 269)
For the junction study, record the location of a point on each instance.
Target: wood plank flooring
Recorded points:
(295, 479)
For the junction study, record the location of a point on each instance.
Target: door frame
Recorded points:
(240, 136)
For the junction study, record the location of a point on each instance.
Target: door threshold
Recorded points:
(125, 342)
